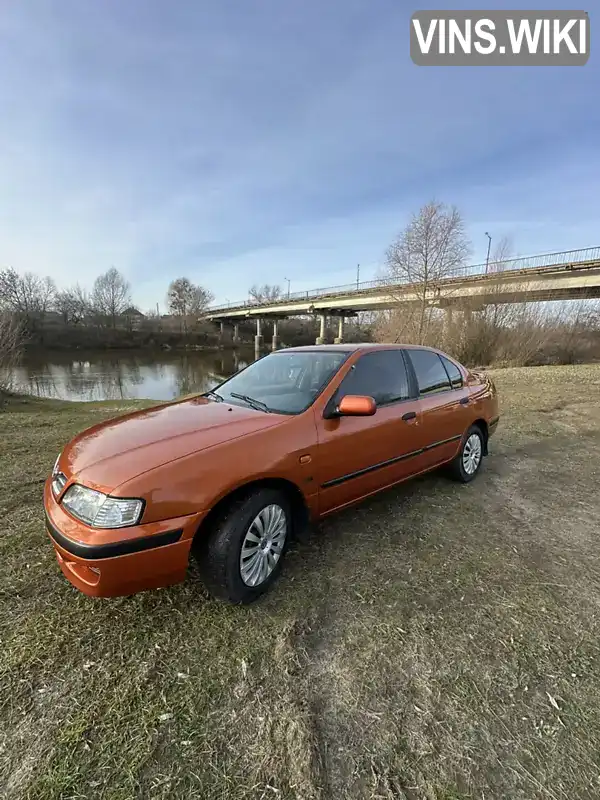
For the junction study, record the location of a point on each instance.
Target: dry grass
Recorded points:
(438, 642)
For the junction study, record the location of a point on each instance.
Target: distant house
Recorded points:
(133, 318)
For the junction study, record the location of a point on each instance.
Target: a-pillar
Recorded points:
(321, 336)
(340, 337)
(236, 332)
(258, 339)
(275, 343)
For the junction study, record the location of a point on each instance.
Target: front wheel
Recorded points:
(245, 548)
(468, 462)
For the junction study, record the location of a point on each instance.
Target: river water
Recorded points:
(126, 375)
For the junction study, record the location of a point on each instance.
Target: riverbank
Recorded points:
(438, 641)
(147, 333)
(145, 347)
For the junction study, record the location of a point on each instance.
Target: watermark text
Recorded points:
(464, 38)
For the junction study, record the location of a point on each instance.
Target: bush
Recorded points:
(523, 334)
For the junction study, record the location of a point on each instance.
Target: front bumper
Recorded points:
(113, 563)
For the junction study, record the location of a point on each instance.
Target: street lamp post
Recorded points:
(487, 260)
(288, 283)
(357, 275)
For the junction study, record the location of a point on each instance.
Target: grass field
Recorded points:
(438, 642)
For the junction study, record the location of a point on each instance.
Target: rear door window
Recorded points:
(454, 373)
(431, 374)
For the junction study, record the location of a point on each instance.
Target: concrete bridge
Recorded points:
(568, 275)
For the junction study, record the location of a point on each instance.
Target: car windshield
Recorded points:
(286, 383)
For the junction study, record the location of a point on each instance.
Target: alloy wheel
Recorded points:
(471, 456)
(263, 545)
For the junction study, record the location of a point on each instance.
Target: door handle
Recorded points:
(464, 401)
(409, 415)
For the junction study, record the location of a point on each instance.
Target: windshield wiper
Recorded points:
(214, 396)
(257, 404)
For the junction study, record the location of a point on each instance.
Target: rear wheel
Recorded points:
(468, 462)
(244, 550)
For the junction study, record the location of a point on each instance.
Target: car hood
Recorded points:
(117, 450)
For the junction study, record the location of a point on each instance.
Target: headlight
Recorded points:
(99, 510)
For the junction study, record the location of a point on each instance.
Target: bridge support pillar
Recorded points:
(447, 321)
(340, 337)
(236, 332)
(221, 330)
(258, 339)
(321, 336)
(275, 342)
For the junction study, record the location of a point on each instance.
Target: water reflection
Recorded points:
(122, 376)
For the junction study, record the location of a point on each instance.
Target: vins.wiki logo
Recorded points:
(465, 38)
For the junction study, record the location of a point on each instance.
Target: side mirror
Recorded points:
(355, 405)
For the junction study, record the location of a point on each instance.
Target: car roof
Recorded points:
(352, 347)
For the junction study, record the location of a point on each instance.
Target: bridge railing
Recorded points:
(562, 258)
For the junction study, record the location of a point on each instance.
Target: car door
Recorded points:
(443, 404)
(357, 456)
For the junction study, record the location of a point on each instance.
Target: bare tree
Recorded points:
(265, 293)
(27, 295)
(64, 307)
(432, 247)
(11, 340)
(493, 316)
(502, 253)
(186, 299)
(73, 304)
(111, 295)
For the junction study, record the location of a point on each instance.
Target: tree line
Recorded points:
(30, 298)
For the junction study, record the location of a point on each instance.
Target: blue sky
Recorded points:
(241, 142)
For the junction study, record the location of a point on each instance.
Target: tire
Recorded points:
(219, 555)
(466, 465)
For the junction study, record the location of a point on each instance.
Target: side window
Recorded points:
(381, 375)
(430, 372)
(453, 373)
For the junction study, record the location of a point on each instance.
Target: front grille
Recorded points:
(58, 483)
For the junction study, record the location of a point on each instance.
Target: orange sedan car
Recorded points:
(229, 476)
